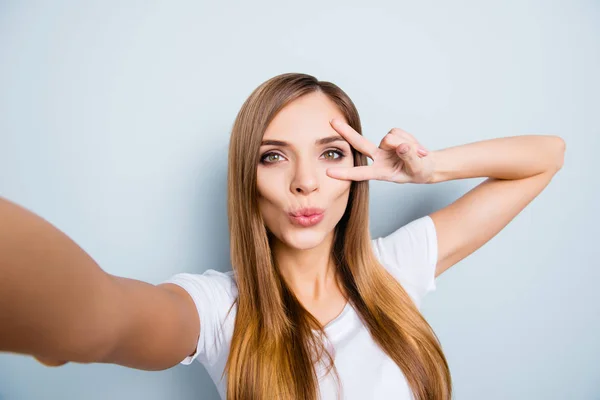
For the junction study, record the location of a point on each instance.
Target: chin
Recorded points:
(304, 239)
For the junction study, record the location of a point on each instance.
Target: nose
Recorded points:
(305, 180)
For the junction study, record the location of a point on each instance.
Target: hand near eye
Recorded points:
(399, 158)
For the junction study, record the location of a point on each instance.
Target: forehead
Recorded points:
(306, 118)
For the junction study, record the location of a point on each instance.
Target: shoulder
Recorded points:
(211, 282)
(214, 294)
(410, 254)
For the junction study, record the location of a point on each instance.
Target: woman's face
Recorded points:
(297, 148)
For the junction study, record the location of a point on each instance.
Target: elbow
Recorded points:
(559, 149)
(70, 347)
(94, 348)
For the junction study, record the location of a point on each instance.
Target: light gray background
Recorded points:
(115, 121)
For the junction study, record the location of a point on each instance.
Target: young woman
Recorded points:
(312, 306)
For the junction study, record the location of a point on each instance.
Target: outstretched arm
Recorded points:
(58, 305)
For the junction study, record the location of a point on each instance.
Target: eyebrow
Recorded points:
(321, 141)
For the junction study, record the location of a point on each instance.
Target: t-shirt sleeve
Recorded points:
(410, 255)
(213, 293)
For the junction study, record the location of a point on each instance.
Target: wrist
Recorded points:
(437, 174)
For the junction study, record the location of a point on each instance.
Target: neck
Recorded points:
(310, 273)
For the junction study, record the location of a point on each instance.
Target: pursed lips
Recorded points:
(307, 216)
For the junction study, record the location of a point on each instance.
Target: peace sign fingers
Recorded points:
(356, 140)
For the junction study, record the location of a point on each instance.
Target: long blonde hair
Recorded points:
(273, 348)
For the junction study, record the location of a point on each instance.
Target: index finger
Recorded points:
(356, 140)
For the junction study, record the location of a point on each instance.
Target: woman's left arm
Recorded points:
(518, 169)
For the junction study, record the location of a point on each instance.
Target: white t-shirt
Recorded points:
(365, 371)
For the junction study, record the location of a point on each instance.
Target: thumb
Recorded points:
(404, 151)
(408, 154)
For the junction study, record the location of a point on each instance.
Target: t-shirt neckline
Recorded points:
(335, 321)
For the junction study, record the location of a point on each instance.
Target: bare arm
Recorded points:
(57, 304)
(518, 169)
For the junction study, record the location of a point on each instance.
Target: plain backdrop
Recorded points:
(115, 120)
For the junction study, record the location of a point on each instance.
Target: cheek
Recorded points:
(338, 189)
(340, 193)
(270, 195)
(269, 184)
